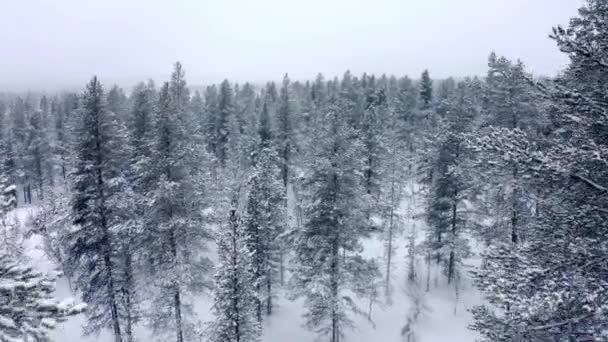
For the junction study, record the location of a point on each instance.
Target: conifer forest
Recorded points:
(348, 208)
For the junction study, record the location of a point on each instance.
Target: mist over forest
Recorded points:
(342, 207)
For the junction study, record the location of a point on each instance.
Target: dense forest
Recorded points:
(150, 198)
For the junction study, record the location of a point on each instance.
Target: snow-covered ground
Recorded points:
(446, 319)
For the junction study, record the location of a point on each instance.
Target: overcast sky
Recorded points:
(46, 44)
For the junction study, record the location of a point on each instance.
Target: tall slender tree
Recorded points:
(426, 89)
(98, 210)
(234, 295)
(327, 264)
(265, 217)
(176, 232)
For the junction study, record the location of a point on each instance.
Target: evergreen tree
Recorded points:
(426, 89)
(117, 103)
(176, 235)
(234, 295)
(98, 210)
(509, 102)
(28, 308)
(284, 129)
(222, 121)
(372, 131)
(211, 113)
(64, 115)
(265, 218)
(8, 201)
(551, 285)
(452, 182)
(327, 264)
(392, 193)
(37, 160)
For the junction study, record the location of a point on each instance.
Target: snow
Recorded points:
(447, 319)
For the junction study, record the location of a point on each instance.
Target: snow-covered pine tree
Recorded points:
(28, 309)
(328, 268)
(426, 89)
(20, 112)
(391, 192)
(99, 210)
(265, 217)
(284, 135)
(37, 159)
(372, 127)
(225, 109)
(552, 284)
(8, 201)
(139, 121)
(510, 101)
(234, 294)
(249, 106)
(117, 103)
(452, 183)
(64, 113)
(208, 121)
(176, 235)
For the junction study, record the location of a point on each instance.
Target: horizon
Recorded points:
(67, 42)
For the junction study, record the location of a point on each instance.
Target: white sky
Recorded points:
(46, 44)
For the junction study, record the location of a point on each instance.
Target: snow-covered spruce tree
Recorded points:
(37, 159)
(510, 101)
(265, 217)
(16, 138)
(208, 121)
(100, 208)
(28, 309)
(8, 201)
(64, 114)
(426, 90)
(175, 235)
(48, 135)
(372, 127)
(284, 117)
(238, 155)
(117, 103)
(328, 268)
(8, 197)
(392, 194)
(221, 123)
(452, 182)
(235, 293)
(249, 105)
(140, 130)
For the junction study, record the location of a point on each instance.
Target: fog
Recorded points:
(48, 44)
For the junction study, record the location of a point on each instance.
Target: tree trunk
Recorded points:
(177, 300)
(177, 303)
(514, 208)
(281, 267)
(389, 253)
(389, 256)
(235, 282)
(269, 297)
(411, 274)
(128, 294)
(107, 252)
(113, 306)
(28, 193)
(334, 288)
(451, 260)
(428, 272)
